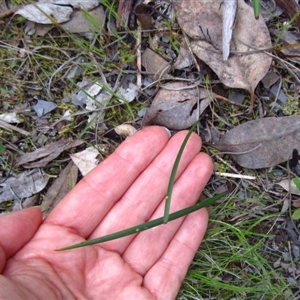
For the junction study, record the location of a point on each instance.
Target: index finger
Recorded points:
(86, 205)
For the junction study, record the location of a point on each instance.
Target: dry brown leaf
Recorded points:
(39, 13)
(29, 202)
(60, 187)
(24, 185)
(262, 143)
(154, 64)
(60, 10)
(144, 14)
(86, 4)
(289, 186)
(49, 152)
(124, 10)
(80, 24)
(177, 108)
(86, 160)
(202, 21)
(184, 58)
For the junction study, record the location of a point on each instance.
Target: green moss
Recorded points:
(6, 205)
(291, 106)
(18, 2)
(221, 167)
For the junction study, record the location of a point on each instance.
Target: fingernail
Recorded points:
(167, 130)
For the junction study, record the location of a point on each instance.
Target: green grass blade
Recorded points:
(256, 7)
(297, 183)
(173, 173)
(2, 148)
(296, 214)
(147, 225)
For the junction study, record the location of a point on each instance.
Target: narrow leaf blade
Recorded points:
(296, 214)
(297, 183)
(173, 173)
(147, 225)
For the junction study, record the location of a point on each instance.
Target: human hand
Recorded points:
(126, 189)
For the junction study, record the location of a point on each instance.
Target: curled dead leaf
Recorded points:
(60, 187)
(144, 14)
(202, 21)
(26, 184)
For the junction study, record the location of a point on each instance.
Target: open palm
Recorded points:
(126, 189)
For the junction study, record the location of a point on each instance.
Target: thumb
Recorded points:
(16, 229)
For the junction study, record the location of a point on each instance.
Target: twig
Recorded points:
(235, 170)
(218, 117)
(123, 12)
(219, 97)
(11, 146)
(248, 177)
(187, 87)
(292, 261)
(139, 57)
(55, 72)
(10, 127)
(103, 78)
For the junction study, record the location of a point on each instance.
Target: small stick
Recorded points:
(139, 57)
(10, 127)
(249, 177)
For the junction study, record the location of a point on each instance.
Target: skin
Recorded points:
(126, 189)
